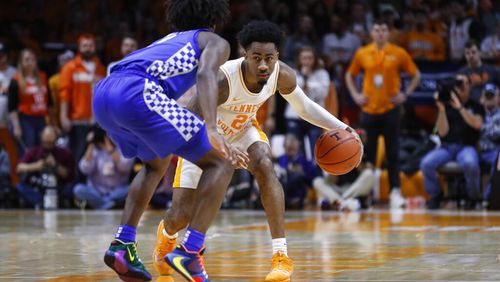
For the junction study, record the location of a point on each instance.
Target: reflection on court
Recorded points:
(369, 246)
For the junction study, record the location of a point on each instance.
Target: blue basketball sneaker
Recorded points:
(123, 259)
(188, 264)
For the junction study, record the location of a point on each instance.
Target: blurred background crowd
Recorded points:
(52, 54)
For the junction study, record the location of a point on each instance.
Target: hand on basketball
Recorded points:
(221, 145)
(353, 132)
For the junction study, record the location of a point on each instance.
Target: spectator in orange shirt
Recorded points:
(28, 101)
(421, 43)
(78, 78)
(381, 96)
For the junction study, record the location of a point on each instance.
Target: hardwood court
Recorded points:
(325, 246)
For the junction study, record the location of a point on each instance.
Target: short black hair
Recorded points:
(380, 22)
(193, 14)
(260, 31)
(471, 43)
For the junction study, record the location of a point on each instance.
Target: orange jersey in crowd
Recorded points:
(382, 78)
(33, 100)
(77, 85)
(424, 45)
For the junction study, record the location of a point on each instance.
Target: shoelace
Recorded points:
(134, 246)
(162, 249)
(280, 262)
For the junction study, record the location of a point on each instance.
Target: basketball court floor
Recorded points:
(375, 245)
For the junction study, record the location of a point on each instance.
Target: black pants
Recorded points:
(78, 145)
(388, 125)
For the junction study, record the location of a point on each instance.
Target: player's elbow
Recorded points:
(206, 75)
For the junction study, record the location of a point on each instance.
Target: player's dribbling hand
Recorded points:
(241, 158)
(221, 145)
(356, 135)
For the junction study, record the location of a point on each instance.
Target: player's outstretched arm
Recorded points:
(307, 109)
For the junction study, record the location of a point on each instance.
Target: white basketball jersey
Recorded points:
(240, 109)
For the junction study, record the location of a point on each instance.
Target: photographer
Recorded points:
(107, 172)
(45, 162)
(458, 123)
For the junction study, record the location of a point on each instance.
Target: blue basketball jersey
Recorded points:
(171, 61)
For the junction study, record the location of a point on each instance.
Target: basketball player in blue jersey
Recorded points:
(244, 85)
(137, 107)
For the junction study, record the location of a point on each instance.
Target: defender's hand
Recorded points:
(221, 145)
(241, 158)
(353, 132)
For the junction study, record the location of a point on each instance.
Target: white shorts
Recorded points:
(187, 174)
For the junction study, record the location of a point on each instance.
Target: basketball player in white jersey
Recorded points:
(244, 85)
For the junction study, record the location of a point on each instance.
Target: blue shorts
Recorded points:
(143, 122)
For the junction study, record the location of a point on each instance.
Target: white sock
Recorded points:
(279, 244)
(170, 236)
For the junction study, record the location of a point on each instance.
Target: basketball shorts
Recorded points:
(187, 174)
(144, 122)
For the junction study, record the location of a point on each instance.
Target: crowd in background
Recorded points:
(51, 56)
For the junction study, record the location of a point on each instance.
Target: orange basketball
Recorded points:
(338, 151)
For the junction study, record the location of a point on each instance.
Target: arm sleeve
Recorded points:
(312, 112)
(13, 95)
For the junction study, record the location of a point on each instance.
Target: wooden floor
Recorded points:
(325, 246)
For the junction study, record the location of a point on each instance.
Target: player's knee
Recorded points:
(223, 165)
(263, 166)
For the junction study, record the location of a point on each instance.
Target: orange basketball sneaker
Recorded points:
(163, 247)
(282, 268)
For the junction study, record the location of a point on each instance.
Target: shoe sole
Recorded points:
(121, 268)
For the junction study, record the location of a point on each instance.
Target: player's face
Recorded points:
(261, 59)
(380, 33)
